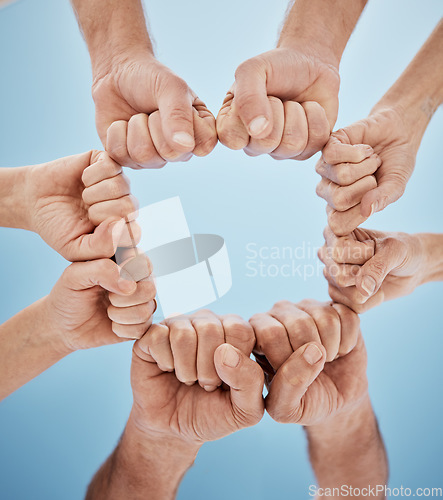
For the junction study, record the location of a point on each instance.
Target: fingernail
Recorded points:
(126, 286)
(374, 207)
(368, 284)
(257, 125)
(184, 139)
(368, 151)
(312, 354)
(116, 229)
(100, 156)
(209, 388)
(230, 357)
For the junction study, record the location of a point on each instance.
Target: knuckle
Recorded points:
(184, 336)
(341, 199)
(343, 174)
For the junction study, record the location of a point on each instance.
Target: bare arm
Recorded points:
(323, 25)
(348, 450)
(13, 211)
(110, 28)
(141, 467)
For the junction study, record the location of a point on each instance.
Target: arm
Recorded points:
(394, 129)
(111, 28)
(13, 212)
(140, 464)
(323, 25)
(28, 348)
(348, 450)
(145, 114)
(285, 102)
(368, 267)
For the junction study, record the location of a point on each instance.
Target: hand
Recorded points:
(368, 267)
(187, 345)
(303, 389)
(288, 326)
(66, 220)
(165, 408)
(146, 115)
(91, 305)
(348, 165)
(283, 102)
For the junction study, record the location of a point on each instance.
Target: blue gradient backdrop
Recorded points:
(55, 432)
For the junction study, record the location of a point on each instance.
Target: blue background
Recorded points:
(55, 431)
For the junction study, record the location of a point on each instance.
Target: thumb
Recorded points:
(176, 112)
(390, 188)
(251, 98)
(101, 243)
(372, 274)
(103, 272)
(245, 378)
(292, 380)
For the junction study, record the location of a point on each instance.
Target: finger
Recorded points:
(350, 328)
(132, 332)
(343, 223)
(254, 108)
(343, 275)
(300, 326)
(210, 335)
(318, 129)
(205, 133)
(161, 144)
(156, 343)
(343, 198)
(272, 140)
(99, 244)
(271, 339)
(347, 249)
(295, 132)
(183, 339)
(175, 107)
(141, 149)
(347, 296)
(116, 143)
(345, 174)
(245, 379)
(132, 315)
(230, 129)
(108, 189)
(291, 382)
(238, 332)
(389, 256)
(328, 325)
(390, 188)
(137, 268)
(103, 168)
(103, 272)
(124, 208)
(145, 292)
(336, 151)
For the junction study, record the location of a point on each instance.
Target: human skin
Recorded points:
(50, 200)
(170, 421)
(186, 344)
(369, 267)
(329, 398)
(394, 129)
(145, 114)
(89, 306)
(285, 102)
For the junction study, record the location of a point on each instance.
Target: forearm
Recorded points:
(141, 467)
(323, 25)
(111, 28)
(13, 211)
(419, 90)
(27, 348)
(432, 256)
(349, 450)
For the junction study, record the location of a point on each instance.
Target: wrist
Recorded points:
(14, 200)
(431, 252)
(148, 457)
